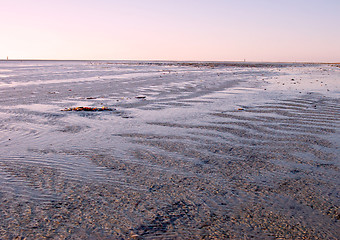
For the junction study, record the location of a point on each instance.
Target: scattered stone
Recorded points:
(134, 236)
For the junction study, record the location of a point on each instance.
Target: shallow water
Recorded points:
(212, 151)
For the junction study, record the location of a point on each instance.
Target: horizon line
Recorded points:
(203, 61)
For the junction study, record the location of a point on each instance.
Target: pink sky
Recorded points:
(255, 30)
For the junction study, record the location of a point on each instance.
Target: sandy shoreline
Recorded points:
(191, 151)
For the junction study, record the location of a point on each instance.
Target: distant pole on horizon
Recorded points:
(7, 58)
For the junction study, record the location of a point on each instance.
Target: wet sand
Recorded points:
(191, 150)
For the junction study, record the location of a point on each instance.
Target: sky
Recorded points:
(187, 30)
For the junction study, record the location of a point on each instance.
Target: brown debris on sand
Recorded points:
(89, 109)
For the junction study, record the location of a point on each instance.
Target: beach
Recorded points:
(188, 150)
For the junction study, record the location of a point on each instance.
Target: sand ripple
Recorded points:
(188, 161)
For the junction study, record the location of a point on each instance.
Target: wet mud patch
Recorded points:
(166, 219)
(73, 129)
(282, 218)
(107, 161)
(312, 193)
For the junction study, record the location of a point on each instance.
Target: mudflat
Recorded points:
(187, 150)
